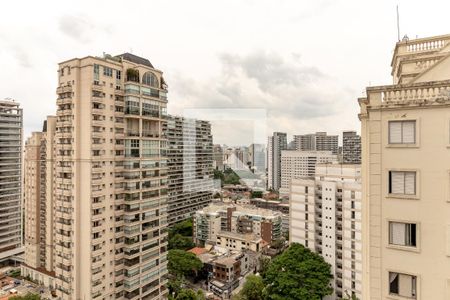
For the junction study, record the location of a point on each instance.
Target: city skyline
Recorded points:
(230, 70)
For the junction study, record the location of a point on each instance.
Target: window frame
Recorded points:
(407, 236)
(415, 122)
(390, 183)
(414, 285)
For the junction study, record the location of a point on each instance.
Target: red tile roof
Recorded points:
(198, 250)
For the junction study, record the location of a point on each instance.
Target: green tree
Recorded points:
(253, 288)
(188, 294)
(182, 263)
(181, 242)
(257, 194)
(298, 273)
(264, 263)
(184, 228)
(28, 296)
(348, 297)
(174, 285)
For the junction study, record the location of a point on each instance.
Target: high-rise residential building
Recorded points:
(406, 179)
(300, 164)
(39, 206)
(230, 217)
(110, 180)
(257, 157)
(318, 141)
(11, 119)
(325, 216)
(190, 162)
(218, 157)
(275, 144)
(351, 147)
(236, 158)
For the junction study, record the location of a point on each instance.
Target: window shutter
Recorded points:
(395, 132)
(398, 182)
(397, 233)
(409, 132)
(410, 183)
(405, 285)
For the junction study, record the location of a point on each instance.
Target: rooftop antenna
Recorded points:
(398, 25)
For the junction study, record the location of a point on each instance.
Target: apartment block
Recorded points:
(351, 147)
(218, 157)
(405, 129)
(190, 162)
(39, 204)
(209, 222)
(110, 180)
(319, 141)
(275, 144)
(257, 158)
(236, 158)
(325, 216)
(300, 164)
(11, 120)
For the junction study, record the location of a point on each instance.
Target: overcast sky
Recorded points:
(304, 62)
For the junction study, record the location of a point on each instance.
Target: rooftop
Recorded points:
(217, 207)
(198, 250)
(241, 236)
(135, 59)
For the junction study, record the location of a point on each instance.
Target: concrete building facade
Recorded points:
(351, 147)
(257, 158)
(39, 204)
(11, 123)
(190, 162)
(110, 180)
(275, 144)
(406, 179)
(325, 216)
(243, 219)
(318, 141)
(301, 164)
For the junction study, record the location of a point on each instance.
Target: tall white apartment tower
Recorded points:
(405, 129)
(190, 162)
(10, 179)
(275, 144)
(325, 216)
(110, 180)
(301, 164)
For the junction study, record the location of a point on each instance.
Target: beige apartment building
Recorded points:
(39, 205)
(405, 131)
(110, 180)
(325, 216)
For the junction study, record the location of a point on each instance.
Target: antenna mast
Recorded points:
(398, 25)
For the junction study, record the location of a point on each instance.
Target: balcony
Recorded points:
(97, 87)
(64, 112)
(64, 89)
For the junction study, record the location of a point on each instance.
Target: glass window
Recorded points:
(402, 234)
(150, 79)
(402, 183)
(107, 71)
(402, 132)
(403, 285)
(132, 89)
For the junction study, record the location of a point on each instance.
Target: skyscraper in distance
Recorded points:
(275, 144)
